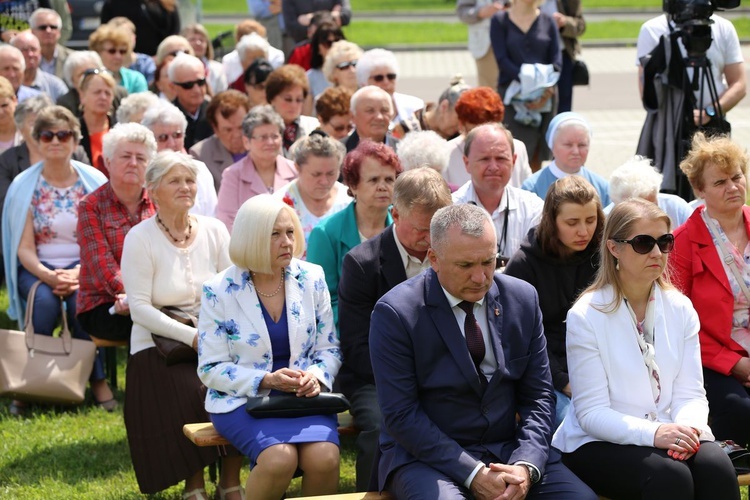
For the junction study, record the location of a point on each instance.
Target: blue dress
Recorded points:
(253, 435)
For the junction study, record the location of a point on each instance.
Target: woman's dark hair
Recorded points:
(323, 34)
(570, 189)
(257, 72)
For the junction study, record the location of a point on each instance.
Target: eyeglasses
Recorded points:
(46, 136)
(165, 137)
(327, 43)
(190, 85)
(112, 51)
(266, 138)
(643, 243)
(380, 78)
(45, 27)
(92, 71)
(347, 65)
(340, 128)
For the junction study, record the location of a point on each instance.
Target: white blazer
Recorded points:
(612, 399)
(234, 348)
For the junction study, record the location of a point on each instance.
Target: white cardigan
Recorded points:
(612, 399)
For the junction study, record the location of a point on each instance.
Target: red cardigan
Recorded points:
(697, 271)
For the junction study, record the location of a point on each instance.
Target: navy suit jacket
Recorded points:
(433, 405)
(369, 271)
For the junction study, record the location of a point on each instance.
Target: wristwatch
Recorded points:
(533, 473)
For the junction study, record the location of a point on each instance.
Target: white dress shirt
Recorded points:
(412, 265)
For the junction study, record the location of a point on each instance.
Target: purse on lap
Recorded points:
(290, 406)
(174, 351)
(41, 368)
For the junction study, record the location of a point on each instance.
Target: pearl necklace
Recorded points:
(281, 284)
(190, 229)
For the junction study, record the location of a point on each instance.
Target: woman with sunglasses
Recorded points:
(340, 65)
(334, 113)
(325, 36)
(559, 258)
(97, 91)
(40, 214)
(113, 45)
(710, 266)
(286, 91)
(638, 403)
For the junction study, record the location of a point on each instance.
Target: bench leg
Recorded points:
(110, 358)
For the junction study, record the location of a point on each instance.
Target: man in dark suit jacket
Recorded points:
(372, 109)
(187, 76)
(459, 354)
(368, 271)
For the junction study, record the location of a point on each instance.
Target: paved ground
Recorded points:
(611, 102)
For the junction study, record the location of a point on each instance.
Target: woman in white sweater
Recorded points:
(165, 261)
(635, 374)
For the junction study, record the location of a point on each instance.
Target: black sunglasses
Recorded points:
(190, 85)
(643, 243)
(45, 27)
(165, 137)
(327, 43)
(380, 78)
(92, 71)
(347, 65)
(47, 136)
(112, 51)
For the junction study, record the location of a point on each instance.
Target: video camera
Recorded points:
(693, 19)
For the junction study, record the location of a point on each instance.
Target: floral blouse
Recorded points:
(55, 216)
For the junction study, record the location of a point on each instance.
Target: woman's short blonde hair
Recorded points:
(165, 161)
(201, 30)
(718, 150)
(107, 33)
(6, 89)
(339, 51)
(102, 73)
(250, 244)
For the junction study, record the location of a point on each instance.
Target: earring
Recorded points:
(617, 264)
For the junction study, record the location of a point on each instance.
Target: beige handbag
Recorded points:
(40, 368)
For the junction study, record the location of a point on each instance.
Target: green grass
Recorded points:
(373, 34)
(240, 6)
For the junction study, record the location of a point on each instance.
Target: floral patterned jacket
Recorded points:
(234, 348)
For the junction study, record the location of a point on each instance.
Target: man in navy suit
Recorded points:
(369, 270)
(462, 376)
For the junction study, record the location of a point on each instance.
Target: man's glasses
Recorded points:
(191, 84)
(45, 27)
(347, 65)
(47, 136)
(643, 243)
(112, 51)
(380, 78)
(165, 137)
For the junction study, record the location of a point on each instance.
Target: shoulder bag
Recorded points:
(41, 368)
(174, 351)
(290, 406)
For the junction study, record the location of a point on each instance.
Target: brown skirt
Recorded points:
(159, 400)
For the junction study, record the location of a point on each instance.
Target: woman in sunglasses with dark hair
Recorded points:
(710, 266)
(325, 36)
(39, 233)
(638, 402)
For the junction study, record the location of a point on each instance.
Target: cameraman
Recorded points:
(724, 54)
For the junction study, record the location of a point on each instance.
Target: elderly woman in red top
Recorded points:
(104, 218)
(710, 266)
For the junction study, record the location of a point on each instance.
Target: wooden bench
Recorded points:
(204, 433)
(744, 480)
(110, 355)
(370, 495)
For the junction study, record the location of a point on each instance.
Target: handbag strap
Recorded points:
(66, 337)
(726, 255)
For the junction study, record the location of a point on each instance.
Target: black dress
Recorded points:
(153, 23)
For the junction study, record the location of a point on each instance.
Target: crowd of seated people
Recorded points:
(477, 311)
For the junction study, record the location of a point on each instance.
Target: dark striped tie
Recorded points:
(474, 339)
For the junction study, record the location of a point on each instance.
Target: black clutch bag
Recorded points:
(290, 406)
(174, 351)
(739, 456)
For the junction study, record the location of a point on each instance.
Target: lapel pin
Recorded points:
(497, 312)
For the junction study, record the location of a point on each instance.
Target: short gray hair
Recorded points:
(423, 148)
(457, 87)
(135, 104)
(261, 115)
(253, 41)
(471, 219)
(76, 59)
(7, 49)
(31, 106)
(164, 113)
(182, 61)
(636, 178)
(128, 132)
(375, 58)
(367, 90)
(163, 162)
(319, 146)
(38, 13)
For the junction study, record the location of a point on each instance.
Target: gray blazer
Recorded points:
(216, 157)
